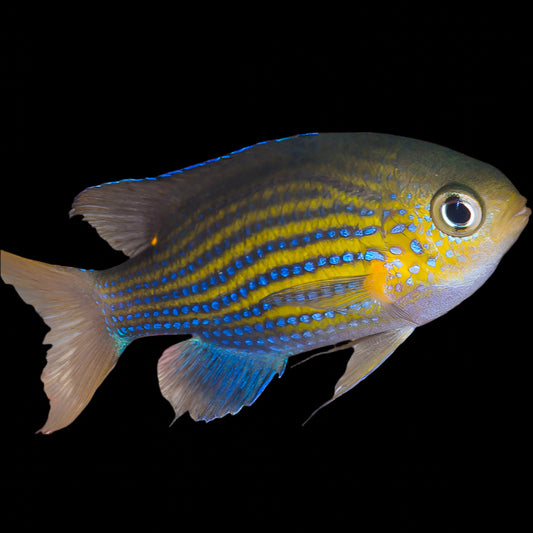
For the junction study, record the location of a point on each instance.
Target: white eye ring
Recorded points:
(456, 210)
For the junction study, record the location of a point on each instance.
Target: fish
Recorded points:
(316, 242)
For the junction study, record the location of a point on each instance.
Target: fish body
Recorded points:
(275, 249)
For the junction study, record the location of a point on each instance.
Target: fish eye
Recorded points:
(456, 210)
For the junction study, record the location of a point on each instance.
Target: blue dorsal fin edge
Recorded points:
(210, 381)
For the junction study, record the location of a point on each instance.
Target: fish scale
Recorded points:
(350, 240)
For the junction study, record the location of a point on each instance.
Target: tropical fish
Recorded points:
(319, 240)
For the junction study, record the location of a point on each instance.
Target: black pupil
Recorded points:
(457, 212)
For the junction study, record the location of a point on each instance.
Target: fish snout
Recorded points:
(515, 219)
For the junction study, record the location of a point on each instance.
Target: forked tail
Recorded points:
(83, 351)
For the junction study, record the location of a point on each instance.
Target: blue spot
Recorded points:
(279, 322)
(147, 326)
(195, 308)
(402, 212)
(318, 235)
(284, 272)
(392, 196)
(344, 232)
(157, 325)
(347, 257)
(415, 269)
(243, 292)
(238, 331)
(398, 228)
(305, 319)
(281, 244)
(238, 264)
(322, 261)
(395, 250)
(296, 269)
(294, 242)
(334, 259)
(370, 230)
(358, 233)
(205, 307)
(449, 254)
(411, 227)
(329, 314)
(195, 289)
(146, 314)
(331, 233)
(167, 325)
(227, 332)
(317, 316)
(215, 305)
(259, 327)
(292, 320)
(184, 310)
(416, 246)
(371, 255)
(309, 266)
(262, 281)
(274, 275)
(432, 261)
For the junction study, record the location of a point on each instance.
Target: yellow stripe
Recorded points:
(261, 215)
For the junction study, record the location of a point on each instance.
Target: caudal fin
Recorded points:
(83, 351)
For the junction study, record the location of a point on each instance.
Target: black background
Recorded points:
(435, 439)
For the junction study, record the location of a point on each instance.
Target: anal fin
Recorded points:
(209, 381)
(368, 353)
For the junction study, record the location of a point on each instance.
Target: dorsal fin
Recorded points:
(130, 213)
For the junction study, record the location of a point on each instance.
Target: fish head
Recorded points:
(464, 216)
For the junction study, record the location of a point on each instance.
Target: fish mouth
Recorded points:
(517, 218)
(521, 215)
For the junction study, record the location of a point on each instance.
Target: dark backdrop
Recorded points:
(434, 439)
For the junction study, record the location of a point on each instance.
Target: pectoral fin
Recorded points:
(368, 353)
(341, 294)
(345, 295)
